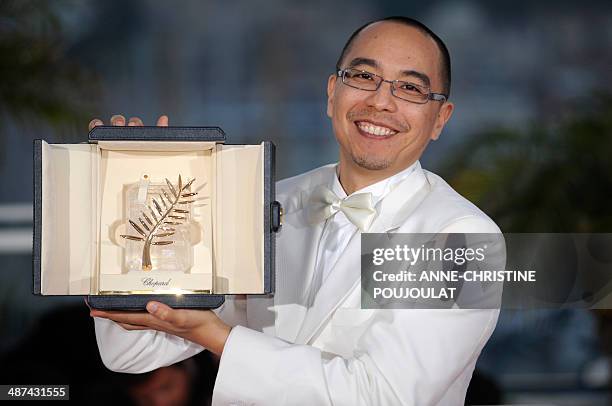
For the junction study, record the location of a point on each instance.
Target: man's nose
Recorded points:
(382, 99)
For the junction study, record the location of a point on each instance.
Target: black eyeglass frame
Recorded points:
(441, 97)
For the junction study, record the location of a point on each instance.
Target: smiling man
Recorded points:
(386, 128)
(312, 344)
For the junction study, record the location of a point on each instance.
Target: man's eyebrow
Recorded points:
(373, 64)
(420, 75)
(363, 61)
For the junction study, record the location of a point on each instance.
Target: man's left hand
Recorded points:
(199, 326)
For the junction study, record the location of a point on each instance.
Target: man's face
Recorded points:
(376, 130)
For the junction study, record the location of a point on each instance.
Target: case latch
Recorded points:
(276, 217)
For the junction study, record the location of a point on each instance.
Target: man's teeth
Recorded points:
(375, 129)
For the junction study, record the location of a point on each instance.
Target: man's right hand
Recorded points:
(119, 120)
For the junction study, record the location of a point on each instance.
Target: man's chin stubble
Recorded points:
(370, 164)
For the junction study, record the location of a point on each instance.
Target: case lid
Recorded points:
(152, 133)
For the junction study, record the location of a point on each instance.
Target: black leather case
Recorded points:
(271, 215)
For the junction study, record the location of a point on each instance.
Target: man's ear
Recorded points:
(331, 85)
(445, 113)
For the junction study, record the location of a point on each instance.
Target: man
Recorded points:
(311, 343)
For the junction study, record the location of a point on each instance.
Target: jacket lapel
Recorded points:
(393, 211)
(295, 263)
(342, 278)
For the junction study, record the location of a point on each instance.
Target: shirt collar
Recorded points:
(379, 189)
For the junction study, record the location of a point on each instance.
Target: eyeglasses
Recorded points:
(364, 80)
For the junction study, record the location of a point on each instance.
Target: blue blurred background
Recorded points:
(529, 142)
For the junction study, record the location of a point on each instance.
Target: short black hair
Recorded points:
(445, 55)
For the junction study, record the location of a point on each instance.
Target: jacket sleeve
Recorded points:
(141, 351)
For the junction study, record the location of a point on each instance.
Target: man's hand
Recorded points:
(119, 120)
(199, 326)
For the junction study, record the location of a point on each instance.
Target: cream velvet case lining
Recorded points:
(216, 242)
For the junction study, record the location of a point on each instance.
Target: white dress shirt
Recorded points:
(338, 230)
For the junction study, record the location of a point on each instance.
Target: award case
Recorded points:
(84, 197)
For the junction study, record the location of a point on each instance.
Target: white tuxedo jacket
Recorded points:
(281, 352)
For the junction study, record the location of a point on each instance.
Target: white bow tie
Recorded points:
(358, 208)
